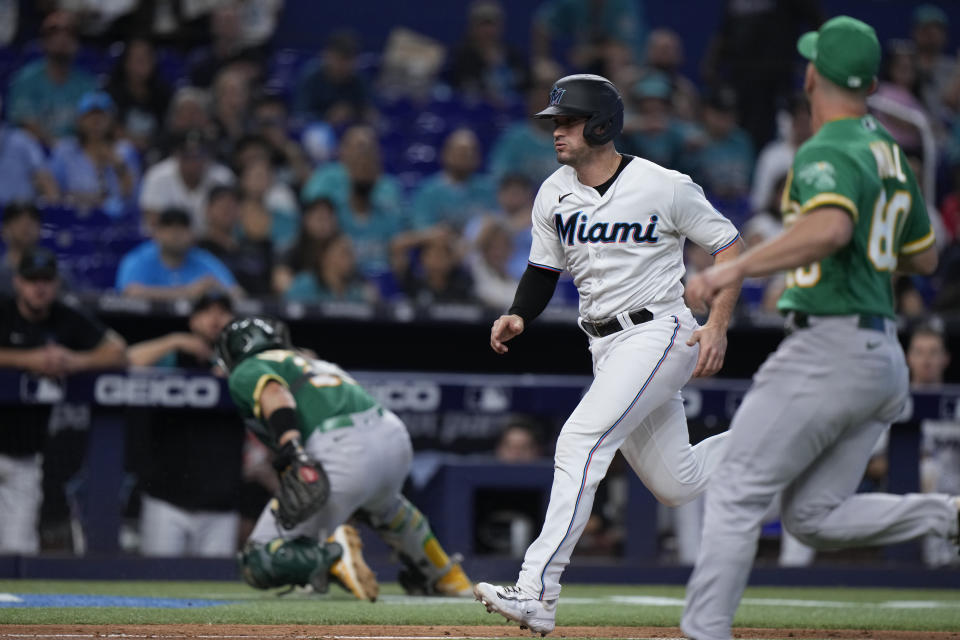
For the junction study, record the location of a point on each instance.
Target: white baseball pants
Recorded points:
(168, 530)
(633, 405)
(807, 427)
(21, 491)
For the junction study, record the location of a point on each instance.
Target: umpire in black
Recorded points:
(47, 339)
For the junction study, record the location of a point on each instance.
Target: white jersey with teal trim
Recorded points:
(624, 249)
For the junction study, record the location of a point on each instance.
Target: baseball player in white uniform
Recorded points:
(617, 223)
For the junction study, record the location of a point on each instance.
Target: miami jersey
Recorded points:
(323, 391)
(854, 164)
(624, 248)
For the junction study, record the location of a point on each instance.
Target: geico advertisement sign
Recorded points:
(168, 391)
(399, 395)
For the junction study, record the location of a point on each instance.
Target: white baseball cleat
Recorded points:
(533, 614)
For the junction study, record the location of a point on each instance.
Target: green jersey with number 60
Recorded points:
(854, 164)
(325, 393)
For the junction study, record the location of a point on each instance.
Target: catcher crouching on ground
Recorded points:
(339, 455)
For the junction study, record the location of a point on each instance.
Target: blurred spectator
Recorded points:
(950, 205)
(98, 21)
(255, 225)
(899, 84)
(484, 66)
(754, 52)
(43, 95)
(46, 339)
(183, 180)
(777, 157)
(189, 111)
(520, 441)
(140, 94)
(330, 88)
(369, 203)
(170, 266)
(21, 233)
(765, 223)
(257, 182)
(908, 299)
(409, 67)
(226, 48)
(270, 122)
(249, 260)
(186, 510)
(437, 275)
(231, 107)
(526, 147)
(650, 131)
(95, 169)
(318, 225)
(458, 193)
(598, 32)
(928, 358)
(935, 70)
(665, 55)
(258, 21)
(23, 172)
(332, 277)
(515, 197)
(505, 519)
(489, 265)
(724, 163)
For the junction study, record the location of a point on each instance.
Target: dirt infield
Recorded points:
(386, 632)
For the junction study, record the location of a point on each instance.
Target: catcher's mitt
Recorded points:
(304, 486)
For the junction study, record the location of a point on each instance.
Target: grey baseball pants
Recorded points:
(807, 427)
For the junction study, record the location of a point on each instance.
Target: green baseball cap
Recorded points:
(845, 50)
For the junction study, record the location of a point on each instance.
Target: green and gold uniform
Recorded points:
(366, 454)
(807, 427)
(325, 394)
(854, 164)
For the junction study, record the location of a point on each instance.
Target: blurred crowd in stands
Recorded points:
(176, 151)
(165, 154)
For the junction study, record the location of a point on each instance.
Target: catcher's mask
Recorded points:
(588, 96)
(247, 336)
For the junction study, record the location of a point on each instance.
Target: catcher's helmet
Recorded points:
(246, 336)
(590, 96)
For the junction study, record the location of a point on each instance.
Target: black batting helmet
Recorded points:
(249, 336)
(592, 97)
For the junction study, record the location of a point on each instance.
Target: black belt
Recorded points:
(870, 321)
(607, 327)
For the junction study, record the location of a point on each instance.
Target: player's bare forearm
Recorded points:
(923, 263)
(813, 237)
(110, 353)
(148, 352)
(726, 299)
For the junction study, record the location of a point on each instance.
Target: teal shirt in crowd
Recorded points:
(725, 166)
(33, 96)
(665, 148)
(439, 199)
(306, 288)
(577, 21)
(525, 150)
(371, 234)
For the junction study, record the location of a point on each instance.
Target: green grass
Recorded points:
(833, 607)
